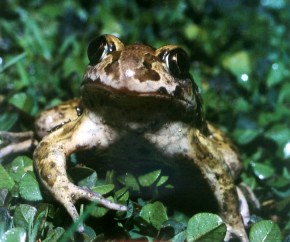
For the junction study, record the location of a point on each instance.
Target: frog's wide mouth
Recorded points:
(94, 90)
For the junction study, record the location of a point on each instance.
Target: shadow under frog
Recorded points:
(134, 154)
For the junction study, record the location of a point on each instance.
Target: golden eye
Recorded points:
(101, 46)
(177, 62)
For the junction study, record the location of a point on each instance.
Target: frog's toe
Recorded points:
(86, 193)
(71, 193)
(235, 233)
(244, 208)
(13, 143)
(71, 209)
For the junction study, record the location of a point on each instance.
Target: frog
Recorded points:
(135, 97)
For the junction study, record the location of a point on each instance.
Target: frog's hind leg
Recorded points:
(217, 173)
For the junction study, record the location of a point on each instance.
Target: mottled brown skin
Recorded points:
(136, 96)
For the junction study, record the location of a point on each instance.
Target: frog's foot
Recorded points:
(13, 143)
(70, 193)
(236, 233)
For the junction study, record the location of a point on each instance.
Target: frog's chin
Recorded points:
(94, 94)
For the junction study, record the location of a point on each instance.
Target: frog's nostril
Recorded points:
(178, 91)
(162, 90)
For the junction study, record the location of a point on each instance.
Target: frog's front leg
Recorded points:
(16, 142)
(50, 162)
(218, 176)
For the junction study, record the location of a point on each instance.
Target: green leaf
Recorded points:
(104, 189)
(244, 136)
(238, 63)
(7, 120)
(12, 61)
(131, 182)
(89, 181)
(38, 222)
(98, 211)
(176, 231)
(89, 234)
(284, 93)
(14, 234)
(24, 215)
(122, 195)
(29, 187)
(22, 101)
(283, 204)
(193, 31)
(276, 74)
(266, 231)
(205, 227)
(148, 179)
(154, 213)
(162, 181)
(279, 133)
(262, 171)
(5, 220)
(19, 166)
(54, 235)
(6, 181)
(83, 176)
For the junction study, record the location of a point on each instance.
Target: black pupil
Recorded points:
(178, 62)
(96, 49)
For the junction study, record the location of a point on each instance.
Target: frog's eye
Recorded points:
(176, 61)
(101, 46)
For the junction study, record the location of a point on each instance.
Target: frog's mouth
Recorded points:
(95, 92)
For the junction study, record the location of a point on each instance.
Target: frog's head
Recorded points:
(120, 72)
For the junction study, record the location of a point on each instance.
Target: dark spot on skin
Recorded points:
(217, 176)
(65, 188)
(52, 165)
(145, 72)
(144, 75)
(47, 176)
(80, 147)
(113, 67)
(148, 60)
(178, 92)
(201, 156)
(43, 143)
(147, 65)
(195, 140)
(162, 90)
